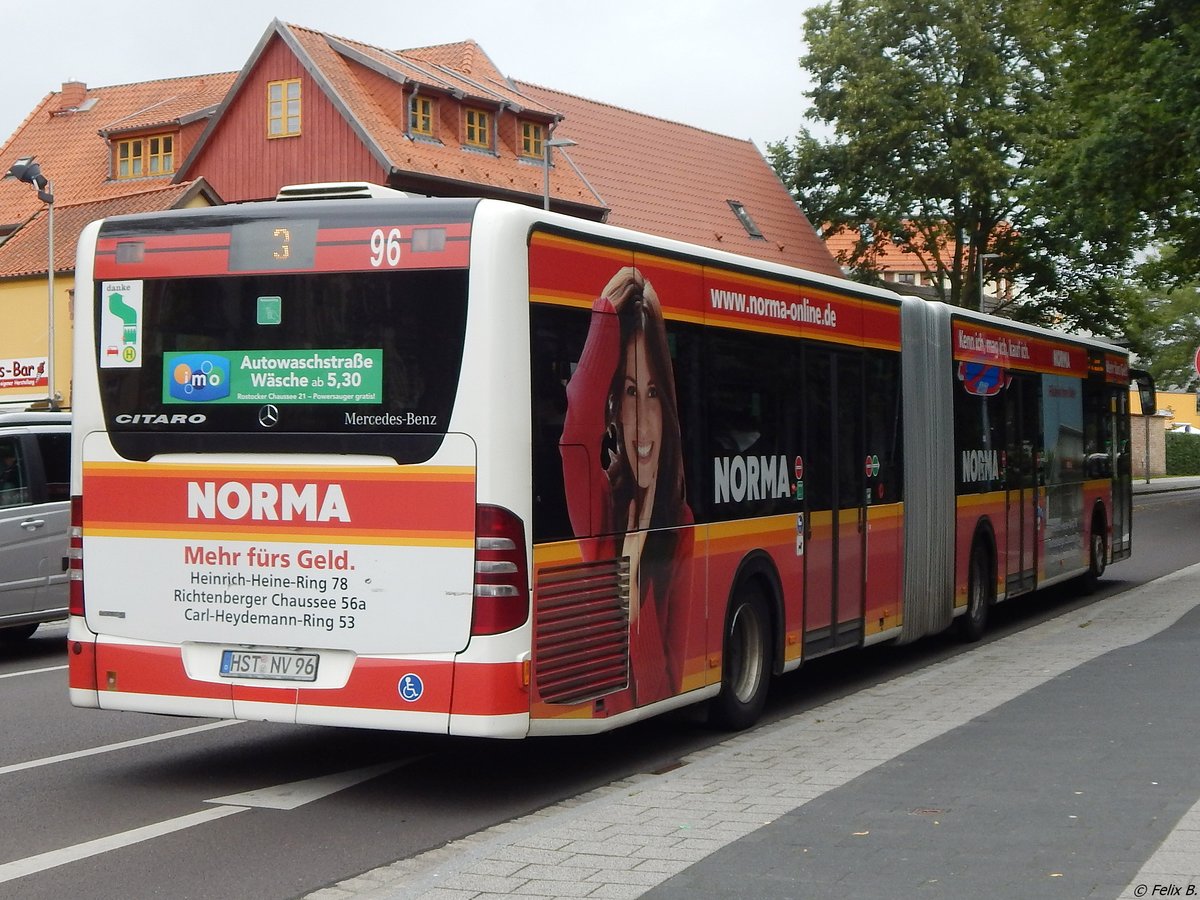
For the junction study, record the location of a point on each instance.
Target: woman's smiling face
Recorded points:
(641, 413)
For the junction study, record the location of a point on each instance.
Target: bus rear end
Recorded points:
(275, 510)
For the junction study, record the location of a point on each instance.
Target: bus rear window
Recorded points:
(296, 363)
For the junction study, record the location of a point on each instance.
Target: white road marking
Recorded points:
(33, 671)
(289, 796)
(110, 748)
(283, 796)
(19, 868)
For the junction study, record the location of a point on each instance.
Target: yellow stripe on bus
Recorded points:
(618, 254)
(324, 473)
(966, 501)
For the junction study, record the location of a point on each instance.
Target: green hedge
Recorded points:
(1183, 454)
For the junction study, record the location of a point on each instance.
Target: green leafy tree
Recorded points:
(936, 112)
(946, 124)
(1166, 334)
(1124, 173)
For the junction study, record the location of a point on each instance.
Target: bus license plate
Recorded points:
(281, 666)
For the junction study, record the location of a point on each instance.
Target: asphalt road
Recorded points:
(119, 805)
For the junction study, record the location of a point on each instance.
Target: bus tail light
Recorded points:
(75, 557)
(501, 576)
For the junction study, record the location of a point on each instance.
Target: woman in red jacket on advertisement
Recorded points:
(621, 405)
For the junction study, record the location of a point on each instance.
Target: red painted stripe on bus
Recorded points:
(375, 684)
(81, 665)
(477, 689)
(975, 342)
(150, 670)
(489, 689)
(188, 253)
(575, 272)
(387, 504)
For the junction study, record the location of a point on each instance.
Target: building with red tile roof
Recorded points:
(308, 106)
(74, 136)
(913, 270)
(685, 183)
(893, 264)
(356, 124)
(626, 168)
(26, 253)
(105, 151)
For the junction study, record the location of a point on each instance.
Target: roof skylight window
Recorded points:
(744, 217)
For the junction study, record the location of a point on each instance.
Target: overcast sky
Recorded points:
(729, 67)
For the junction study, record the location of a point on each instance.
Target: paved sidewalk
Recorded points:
(1057, 762)
(1062, 792)
(1163, 484)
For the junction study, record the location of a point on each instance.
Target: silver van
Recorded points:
(35, 520)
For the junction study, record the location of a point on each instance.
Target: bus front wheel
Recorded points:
(746, 665)
(1097, 554)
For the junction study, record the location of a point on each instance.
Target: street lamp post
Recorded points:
(982, 257)
(546, 145)
(29, 172)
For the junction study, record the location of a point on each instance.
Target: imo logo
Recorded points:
(199, 377)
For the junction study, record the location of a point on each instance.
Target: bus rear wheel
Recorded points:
(746, 668)
(981, 582)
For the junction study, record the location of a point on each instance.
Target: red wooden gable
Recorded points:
(242, 163)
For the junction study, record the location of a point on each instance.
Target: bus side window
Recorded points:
(979, 429)
(556, 339)
(750, 425)
(884, 422)
(687, 346)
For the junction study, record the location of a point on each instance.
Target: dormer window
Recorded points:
(478, 131)
(283, 108)
(420, 115)
(145, 156)
(532, 135)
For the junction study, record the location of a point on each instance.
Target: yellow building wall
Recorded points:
(1178, 406)
(25, 314)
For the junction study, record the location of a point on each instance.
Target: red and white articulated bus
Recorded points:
(461, 466)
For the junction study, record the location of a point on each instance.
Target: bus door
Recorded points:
(1122, 498)
(835, 482)
(1023, 418)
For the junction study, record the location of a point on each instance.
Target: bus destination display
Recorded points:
(272, 244)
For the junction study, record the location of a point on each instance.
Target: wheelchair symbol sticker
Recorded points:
(411, 688)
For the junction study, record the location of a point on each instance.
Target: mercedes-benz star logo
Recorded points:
(268, 416)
